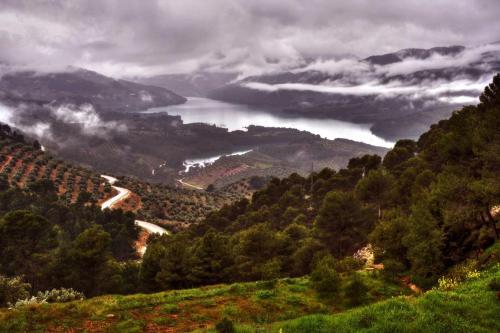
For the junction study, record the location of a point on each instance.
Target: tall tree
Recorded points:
(342, 223)
(376, 188)
(424, 242)
(27, 241)
(87, 259)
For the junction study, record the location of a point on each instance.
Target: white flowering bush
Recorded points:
(61, 295)
(12, 289)
(28, 301)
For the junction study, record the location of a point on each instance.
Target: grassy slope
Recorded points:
(262, 307)
(472, 307)
(186, 310)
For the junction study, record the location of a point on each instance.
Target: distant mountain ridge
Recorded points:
(390, 58)
(400, 93)
(197, 84)
(83, 86)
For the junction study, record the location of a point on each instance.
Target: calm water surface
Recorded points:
(238, 117)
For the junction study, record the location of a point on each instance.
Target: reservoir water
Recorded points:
(203, 162)
(238, 117)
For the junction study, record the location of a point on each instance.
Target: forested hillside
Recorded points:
(53, 233)
(427, 211)
(425, 207)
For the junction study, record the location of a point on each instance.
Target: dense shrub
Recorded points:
(356, 291)
(225, 326)
(12, 290)
(325, 280)
(495, 284)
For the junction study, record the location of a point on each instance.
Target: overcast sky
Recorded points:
(145, 37)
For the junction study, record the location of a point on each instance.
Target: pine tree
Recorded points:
(491, 95)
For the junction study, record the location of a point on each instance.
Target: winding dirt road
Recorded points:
(189, 185)
(123, 193)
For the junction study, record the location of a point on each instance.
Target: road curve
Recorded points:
(152, 228)
(123, 193)
(189, 185)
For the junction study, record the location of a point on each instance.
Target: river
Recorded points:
(238, 117)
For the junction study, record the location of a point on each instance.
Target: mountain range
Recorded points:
(78, 86)
(400, 93)
(197, 84)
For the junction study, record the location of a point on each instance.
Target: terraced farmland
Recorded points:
(174, 206)
(22, 165)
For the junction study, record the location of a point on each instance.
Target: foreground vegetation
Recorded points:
(186, 310)
(277, 306)
(471, 307)
(425, 207)
(429, 209)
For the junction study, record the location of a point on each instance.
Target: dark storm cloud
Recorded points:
(131, 37)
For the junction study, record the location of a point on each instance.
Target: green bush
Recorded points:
(225, 326)
(61, 295)
(356, 291)
(324, 278)
(495, 284)
(348, 264)
(392, 268)
(264, 294)
(12, 290)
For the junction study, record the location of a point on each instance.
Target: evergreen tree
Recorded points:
(342, 223)
(27, 241)
(424, 241)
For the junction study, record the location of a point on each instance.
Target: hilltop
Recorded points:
(78, 86)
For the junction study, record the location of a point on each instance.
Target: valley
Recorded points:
(155, 146)
(237, 166)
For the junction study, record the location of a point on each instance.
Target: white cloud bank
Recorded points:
(130, 37)
(84, 117)
(459, 90)
(87, 119)
(355, 77)
(374, 88)
(38, 129)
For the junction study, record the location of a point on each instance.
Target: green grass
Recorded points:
(472, 307)
(261, 303)
(286, 306)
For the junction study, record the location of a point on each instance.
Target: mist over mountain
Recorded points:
(197, 84)
(400, 93)
(249, 166)
(79, 86)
